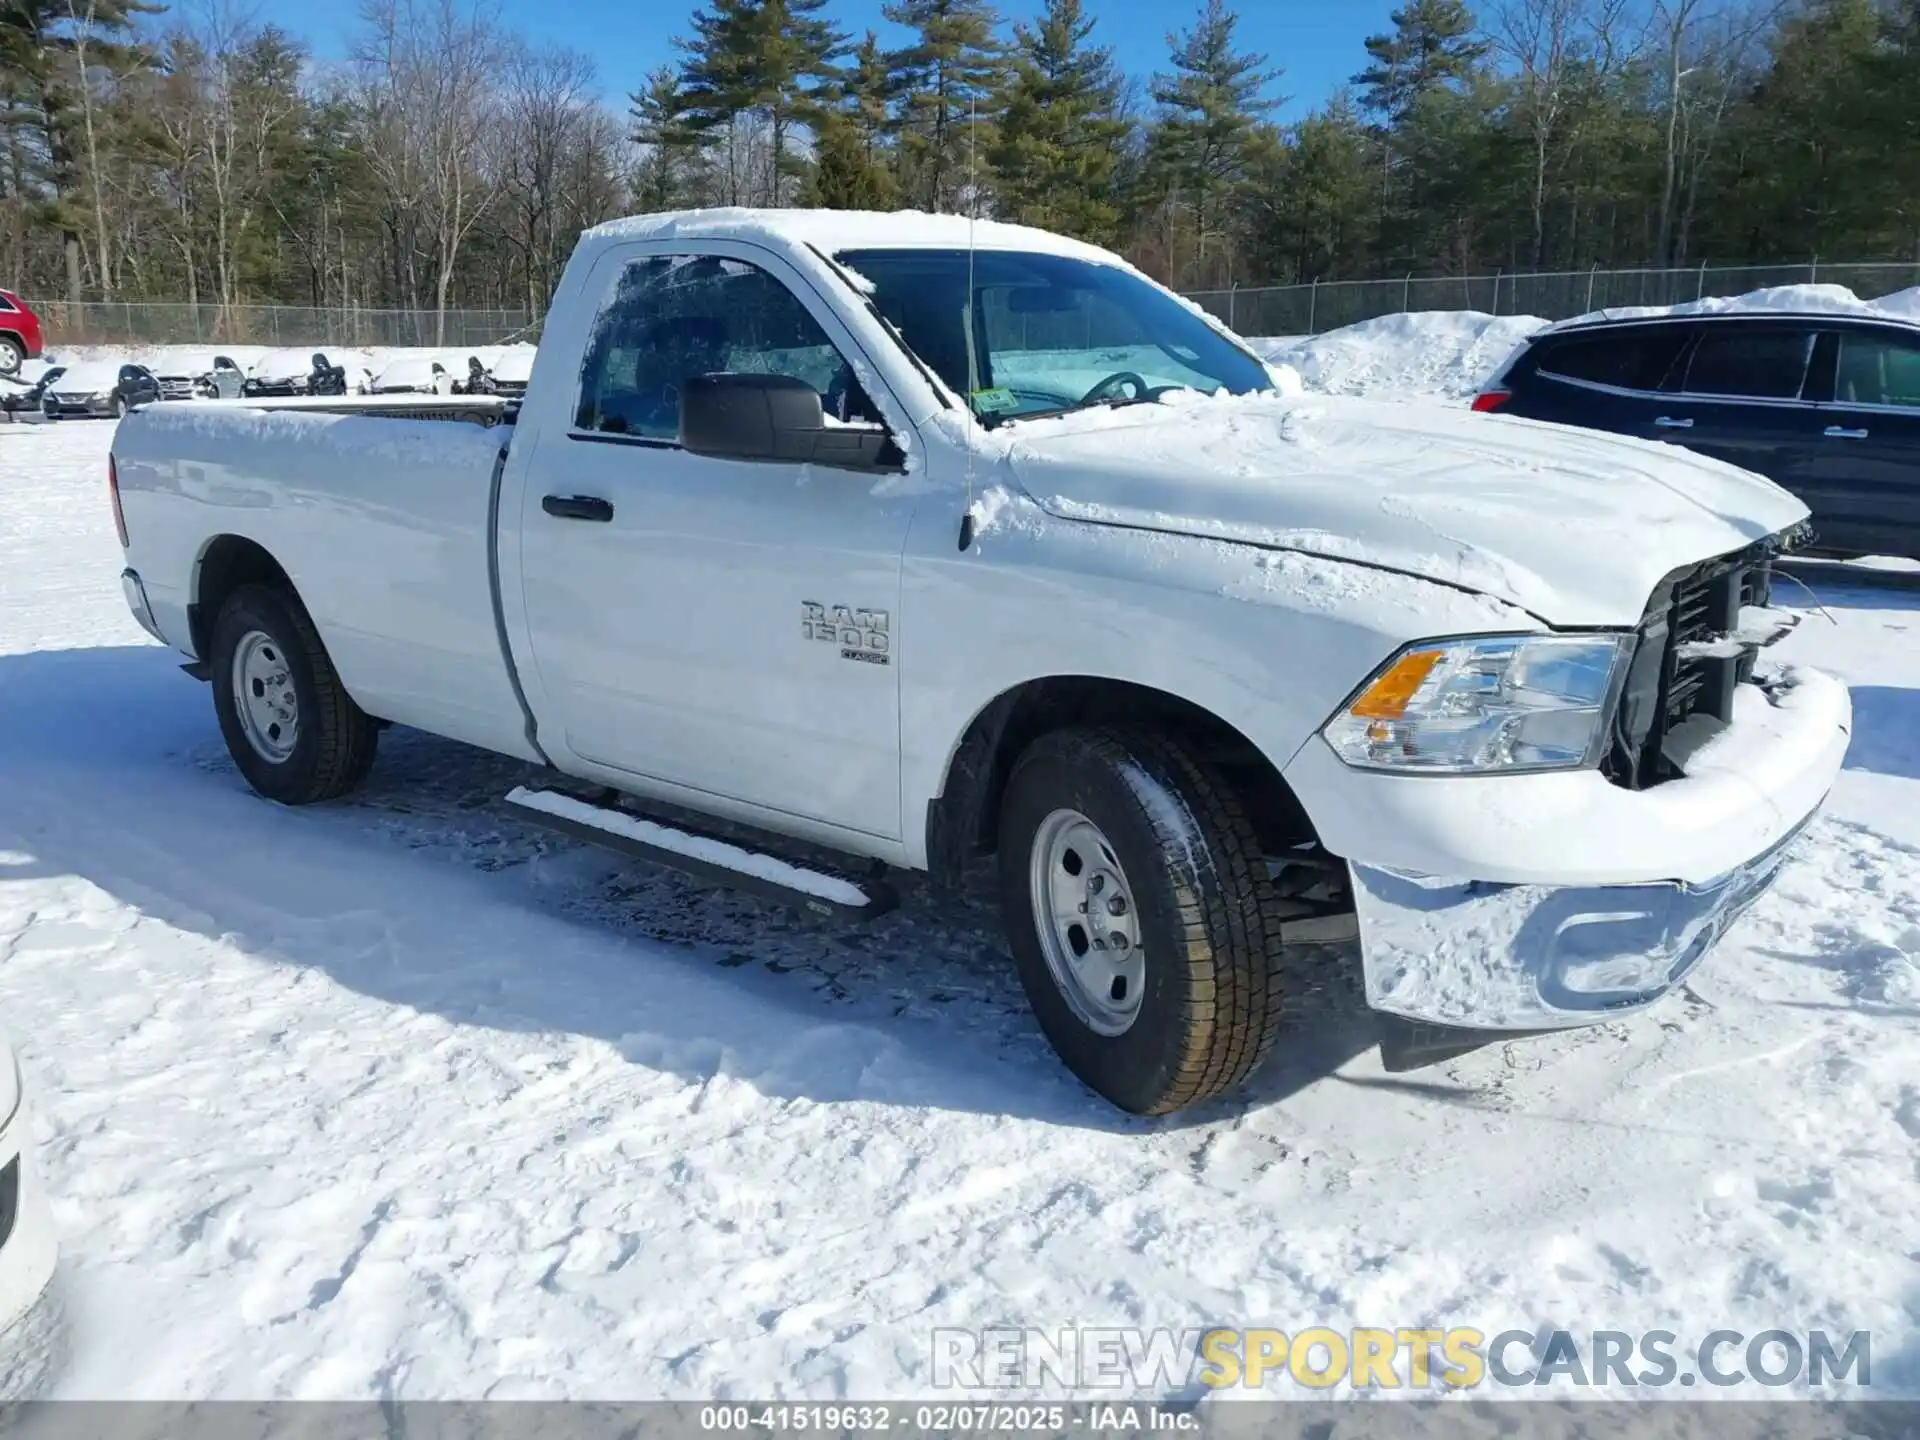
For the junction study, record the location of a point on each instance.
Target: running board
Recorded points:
(707, 856)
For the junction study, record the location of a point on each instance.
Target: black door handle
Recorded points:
(578, 507)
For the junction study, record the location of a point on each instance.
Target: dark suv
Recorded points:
(1828, 406)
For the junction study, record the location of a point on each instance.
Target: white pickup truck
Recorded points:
(915, 539)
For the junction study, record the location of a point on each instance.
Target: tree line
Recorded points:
(188, 154)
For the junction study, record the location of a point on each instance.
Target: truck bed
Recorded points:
(382, 514)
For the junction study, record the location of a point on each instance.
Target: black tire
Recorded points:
(12, 355)
(334, 740)
(1209, 930)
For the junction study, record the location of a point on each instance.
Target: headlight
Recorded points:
(1495, 703)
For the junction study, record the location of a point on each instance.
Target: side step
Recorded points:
(706, 856)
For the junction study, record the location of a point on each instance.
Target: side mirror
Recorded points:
(772, 418)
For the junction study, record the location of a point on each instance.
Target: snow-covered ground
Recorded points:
(403, 1097)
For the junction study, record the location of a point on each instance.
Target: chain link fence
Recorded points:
(1552, 295)
(1251, 310)
(141, 323)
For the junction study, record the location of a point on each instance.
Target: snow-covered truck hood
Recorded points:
(1575, 526)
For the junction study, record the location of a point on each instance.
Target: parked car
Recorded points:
(413, 375)
(512, 369)
(99, 388)
(198, 375)
(28, 1248)
(1827, 405)
(916, 538)
(295, 372)
(24, 392)
(20, 337)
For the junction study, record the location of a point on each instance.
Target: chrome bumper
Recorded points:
(1475, 954)
(136, 595)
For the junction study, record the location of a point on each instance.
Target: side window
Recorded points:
(1740, 360)
(674, 317)
(1877, 370)
(7, 307)
(1630, 361)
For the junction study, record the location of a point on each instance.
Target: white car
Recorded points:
(198, 375)
(413, 375)
(28, 1248)
(918, 539)
(513, 369)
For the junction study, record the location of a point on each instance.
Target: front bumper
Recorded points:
(1482, 956)
(1519, 903)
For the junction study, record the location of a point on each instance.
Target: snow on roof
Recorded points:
(836, 230)
(415, 367)
(516, 364)
(1903, 305)
(175, 360)
(89, 375)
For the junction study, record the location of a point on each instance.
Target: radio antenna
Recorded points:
(966, 315)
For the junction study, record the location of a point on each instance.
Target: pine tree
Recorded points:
(852, 160)
(941, 82)
(1209, 106)
(672, 151)
(51, 51)
(766, 58)
(1432, 43)
(1058, 135)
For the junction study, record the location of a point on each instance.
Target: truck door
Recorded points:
(1861, 471)
(723, 626)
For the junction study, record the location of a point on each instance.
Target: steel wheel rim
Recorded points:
(1088, 924)
(264, 696)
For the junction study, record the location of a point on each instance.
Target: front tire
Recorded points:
(289, 724)
(1169, 991)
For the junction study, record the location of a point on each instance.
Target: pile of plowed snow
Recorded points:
(1428, 353)
(1449, 353)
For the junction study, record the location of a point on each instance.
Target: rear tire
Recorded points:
(289, 724)
(12, 355)
(1197, 1010)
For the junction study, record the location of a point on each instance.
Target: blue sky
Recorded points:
(1316, 42)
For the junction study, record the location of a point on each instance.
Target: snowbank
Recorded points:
(1445, 353)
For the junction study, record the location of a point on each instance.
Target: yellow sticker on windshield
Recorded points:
(995, 399)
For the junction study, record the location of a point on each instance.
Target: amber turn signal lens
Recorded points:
(1387, 697)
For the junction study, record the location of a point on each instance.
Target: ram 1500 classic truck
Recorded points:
(915, 539)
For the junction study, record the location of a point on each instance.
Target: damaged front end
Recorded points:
(1455, 962)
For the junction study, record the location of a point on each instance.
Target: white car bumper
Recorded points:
(27, 1245)
(1530, 902)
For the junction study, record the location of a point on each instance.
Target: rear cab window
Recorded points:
(1749, 362)
(1621, 359)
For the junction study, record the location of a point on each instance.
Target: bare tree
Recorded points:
(1557, 46)
(428, 68)
(554, 161)
(1704, 47)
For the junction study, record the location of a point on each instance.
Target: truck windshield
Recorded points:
(1047, 333)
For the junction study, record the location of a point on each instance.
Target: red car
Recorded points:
(19, 333)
